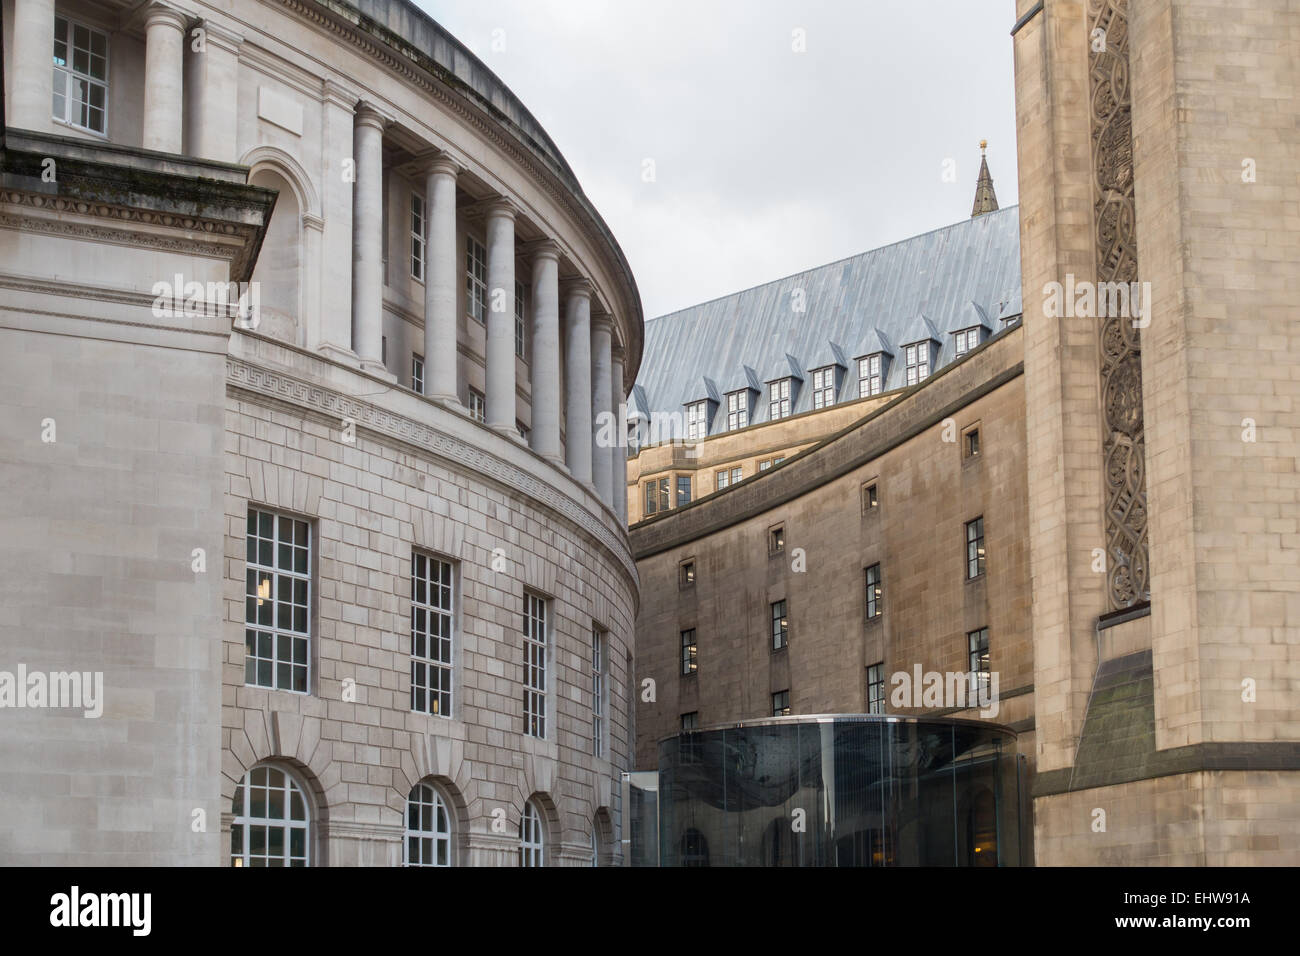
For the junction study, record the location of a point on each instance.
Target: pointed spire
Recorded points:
(986, 200)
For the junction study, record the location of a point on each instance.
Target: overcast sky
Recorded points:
(766, 161)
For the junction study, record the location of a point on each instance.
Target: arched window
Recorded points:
(428, 828)
(272, 823)
(531, 837)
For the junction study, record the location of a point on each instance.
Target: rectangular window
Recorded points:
(875, 593)
(521, 329)
(973, 443)
(967, 339)
(870, 380)
(778, 405)
(776, 461)
(477, 407)
(978, 643)
(522, 429)
(476, 279)
(870, 498)
(432, 620)
(823, 388)
(417, 374)
(657, 495)
(780, 626)
(765, 464)
(80, 76)
(737, 410)
(383, 349)
(697, 424)
(975, 547)
(536, 641)
(776, 539)
(417, 236)
(736, 475)
(876, 688)
(683, 490)
(691, 721)
(597, 692)
(686, 575)
(690, 652)
(277, 588)
(917, 359)
(781, 704)
(723, 478)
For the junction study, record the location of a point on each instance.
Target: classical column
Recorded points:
(602, 331)
(368, 240)
(577, 375)
(335, 278)
(164, 64)
(546, 351)
(217, 95)
(442, 267)
(617, 452)
(30, 105)
(499, 403)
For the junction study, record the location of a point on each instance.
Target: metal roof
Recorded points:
(948, 279)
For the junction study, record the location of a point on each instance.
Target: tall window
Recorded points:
(80, 76)
(823, 388)
(697, 423)
(917, 359)
(428, 828)
(737, 410)
(477, 406)
(597, 692)
(520, 325)
(535, 646)
(967, 339)
(978, 643)
(778, 405)
(271, 825)
(476, 279)
(683, 490)
(417, 374)
(432, 619)
(690, 652)
(871, 381)
(657, 498)
(975, 547)
(780, 626)
(276, 589)
(781, 704)
(532, 838)
(417, 236)
(725, 477)
(876, 688)
(875, 592)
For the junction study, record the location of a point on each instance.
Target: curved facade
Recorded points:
(840, 790)
(418, 648)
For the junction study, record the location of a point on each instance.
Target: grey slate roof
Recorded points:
(948, 279)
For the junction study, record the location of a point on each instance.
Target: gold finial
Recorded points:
(983, 145)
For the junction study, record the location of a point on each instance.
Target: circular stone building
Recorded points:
(411, 638)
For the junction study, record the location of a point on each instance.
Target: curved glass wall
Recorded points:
(850, 790)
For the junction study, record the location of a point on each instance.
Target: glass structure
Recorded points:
(842, 790)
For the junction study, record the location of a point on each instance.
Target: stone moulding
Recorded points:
(261, 381)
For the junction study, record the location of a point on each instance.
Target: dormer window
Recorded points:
(916, 357)
(871, 379)
(779, 400)
(697, 421)
(737, 410)
(824, 387)
(967, 339)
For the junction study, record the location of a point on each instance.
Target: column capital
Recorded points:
(579, 287)
(541, 249)
(602, 322)
(439, 162)
(617, 355)
(222, 38)
(368, 114)
(500, 207)
(160, 13)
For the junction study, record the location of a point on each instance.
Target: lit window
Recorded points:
(917, 359)
(876, 688)
(870, 378)
(875, 592)
(271, 825)
(978, 644)
(657, 495)
(477, 407)
(870, 499)
(535, 653)
(532, 839)
(737, 410)
(476, 279)
(973, 443)
(779, 401)
(697, 423)
(975, 547)
(417, 236)
(432, 621)
(417, 374)
(780, 626)
(823, 388)
(597, 692)
(781, 704)
(521, 331)
(686, 574)
(776, 539)
(428, 828)
(276, 589)
(80, 76)
(690, 652)
(683, 490)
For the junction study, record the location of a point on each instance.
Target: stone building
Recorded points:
(341, 547)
